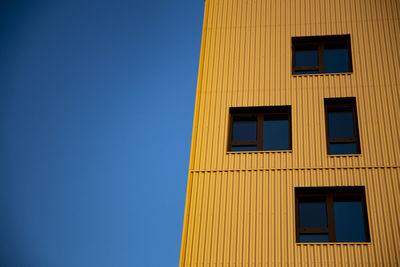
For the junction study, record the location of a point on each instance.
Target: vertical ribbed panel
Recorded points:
(240, 206)
(248, 63)
(246, 218)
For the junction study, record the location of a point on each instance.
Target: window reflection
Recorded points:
(276, 133)
(244, 128)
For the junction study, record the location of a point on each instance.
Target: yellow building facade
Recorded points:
(241, 206)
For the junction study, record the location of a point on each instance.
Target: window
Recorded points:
(321, 54)
(331, 214)
(341, 126)
(260, 128)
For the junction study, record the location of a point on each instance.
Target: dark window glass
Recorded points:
(341, 123)
(276, 133)
(321, 54)
(314, 238)
(306, 56)
(342, 148)
(336, 59)
(306, 72)
(244, 148)
(244, 128)
(331, 214)
(259, 128)
(342, 128)
(312, 212)
(349, 220)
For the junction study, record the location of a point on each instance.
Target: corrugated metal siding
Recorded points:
(240, 206)
(246, 218)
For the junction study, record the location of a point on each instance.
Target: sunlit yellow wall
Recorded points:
(240, 206)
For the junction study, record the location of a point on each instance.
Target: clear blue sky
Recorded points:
(96, 110)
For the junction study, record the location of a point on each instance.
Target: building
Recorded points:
(295, 151)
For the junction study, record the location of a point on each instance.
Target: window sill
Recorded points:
(345, 156)
(334, 243)
(323, 74)
(261, 152)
